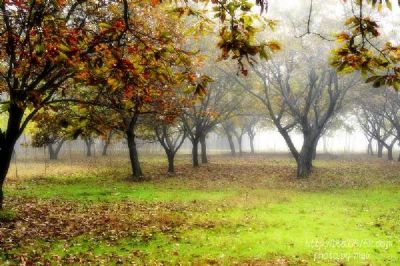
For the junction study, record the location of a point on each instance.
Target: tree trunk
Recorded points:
(107, 143)
(53, 152)
(251, 137)
(105, 147)
(390, 149)
(88, 143)
(134, 157)
(239, 140)
(304, 161)
(203, 145)
(304, 166)
(7, 143)
(314, 153)
(6, 152)
(195, 153)
(380, 150)
(390, 153)
(231, 144)
(171, 166)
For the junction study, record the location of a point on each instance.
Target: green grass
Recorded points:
(254, 218)
(87, 191)
(7, 215)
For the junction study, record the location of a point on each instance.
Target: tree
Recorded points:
(45, 44)
(147, 78)
(375, 125)
(243, 121)
(293, 103)
(376, 120)
(107, 141)
(216, 106)
(392, 113)
(171, 138)
(51, 130)
(228, 128)
(90, 122)
(239, 132)
(251, 130)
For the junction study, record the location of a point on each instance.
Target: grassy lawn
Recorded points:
(233, 211)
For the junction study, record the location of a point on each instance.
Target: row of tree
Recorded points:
(108, 68)
(379, 117)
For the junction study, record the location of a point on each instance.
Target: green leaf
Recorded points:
(61, 57)
(389, 4)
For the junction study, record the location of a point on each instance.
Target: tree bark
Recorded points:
(390, 153)
(195, 153)
(171, 165)
(305, 158)
(390, 149)
(7, 143)
(239, 140)
(88, 143)
(231, 144)
(6, 152)
(53, 152)
(304, 164)
(105, 148)
(380, 150)
(203, 145)
(134, 157)
(251, 137)
(107, 143)
(314, 153)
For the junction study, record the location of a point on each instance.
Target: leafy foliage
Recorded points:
(359, 50)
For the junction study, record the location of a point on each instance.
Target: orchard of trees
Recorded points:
(98, 69)
(177, 73)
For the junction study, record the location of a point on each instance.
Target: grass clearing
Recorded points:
(234, 211)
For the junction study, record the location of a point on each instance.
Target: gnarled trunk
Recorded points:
(107, 143)
(314, 155)
(195, 153)
(203, 145)
(390, 149)
(6, 152)
(380, 150)
(7, 143)
(134, 157)
(53, 152)
(171, 165)
(251, 137)
(239, 140)
(105, 148)
(88, 143)
(305, 158)
(231, 144)
(390, 153)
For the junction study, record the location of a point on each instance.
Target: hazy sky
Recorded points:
(328, 15)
